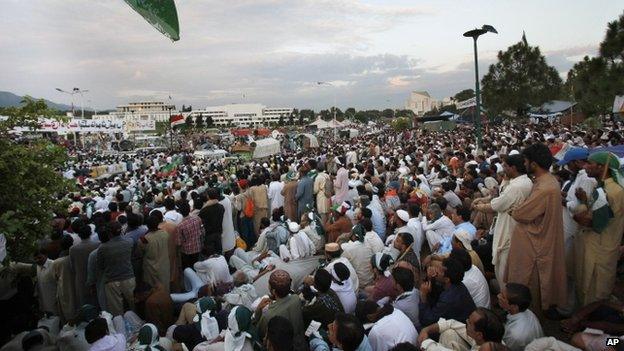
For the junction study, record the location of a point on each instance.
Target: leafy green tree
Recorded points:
(594, 83)
(209, 122)
(612, 47)
(326, 115)
(307, 115)
(464, 95)
(280, 122)
(162, 127)
(291, 120)
(349, 113)
(188, 122)
(520, 78)
(402, 123)
(199, 122)
(388, 113)
(373, 114)
(405, 113)
(31, 183)
(361, 116)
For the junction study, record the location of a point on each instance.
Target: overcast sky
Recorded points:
(273, 51)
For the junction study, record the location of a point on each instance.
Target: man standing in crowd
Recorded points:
(212, 218)
(603, 220)
(190, 233)
(114, 259)
(536, 253)
(515, 191)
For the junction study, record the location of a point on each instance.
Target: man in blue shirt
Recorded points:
(461, 219)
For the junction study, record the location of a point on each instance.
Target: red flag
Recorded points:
(176, 120)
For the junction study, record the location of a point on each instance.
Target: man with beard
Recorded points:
(536, 254)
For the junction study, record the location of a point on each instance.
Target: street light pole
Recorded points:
(71, 93)
(478, 98)
(474, 34)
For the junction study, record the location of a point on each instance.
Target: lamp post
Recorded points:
(72, 92)
(474, 34)
(170, 107)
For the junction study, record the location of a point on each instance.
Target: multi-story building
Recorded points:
(156, 111)
(420, 102)
(244, 115)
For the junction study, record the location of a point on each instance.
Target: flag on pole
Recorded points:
(161, 14)
(176, 120)
(170, 168)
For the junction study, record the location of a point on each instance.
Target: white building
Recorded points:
(244, 115)
(156, 111)
(420, 102)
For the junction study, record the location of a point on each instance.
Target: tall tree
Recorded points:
(405, 113)
(464, 95)
(188, 122)
(338, 113)
(594, 82)
(30, 185)
(349, 113)
(280, 122)
(291, 120)
(520, 78)
(401, 123)
(199, 122)
(388, 113)
(307, 115)
(326, 115)
(361, 116)
(209, 122)
(612, 47)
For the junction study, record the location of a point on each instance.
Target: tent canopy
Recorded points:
(554, 106)
(265, 147)
(321, 124)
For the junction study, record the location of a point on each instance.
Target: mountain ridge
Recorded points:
(9, 99)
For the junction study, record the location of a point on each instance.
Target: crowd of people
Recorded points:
(410, 240)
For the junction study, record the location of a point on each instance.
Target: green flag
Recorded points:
(161, 14)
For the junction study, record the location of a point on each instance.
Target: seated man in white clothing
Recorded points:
(309, 228)
(299, 244)
(474, 280)
(333, 257)
(390, 325)
(343, 287)
(213, 271)
(437, 226)
(482, 326)
(522, 326)
(243, 293)
(253, 265)
(549, 344)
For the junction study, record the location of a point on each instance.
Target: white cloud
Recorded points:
(271, 51)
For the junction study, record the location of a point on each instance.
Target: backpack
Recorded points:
(328, 189)
(249, 208)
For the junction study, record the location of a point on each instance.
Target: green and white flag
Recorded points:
(161, 14)
(601, 211)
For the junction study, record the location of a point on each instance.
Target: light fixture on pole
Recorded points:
(474, 34)
(72, 93)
